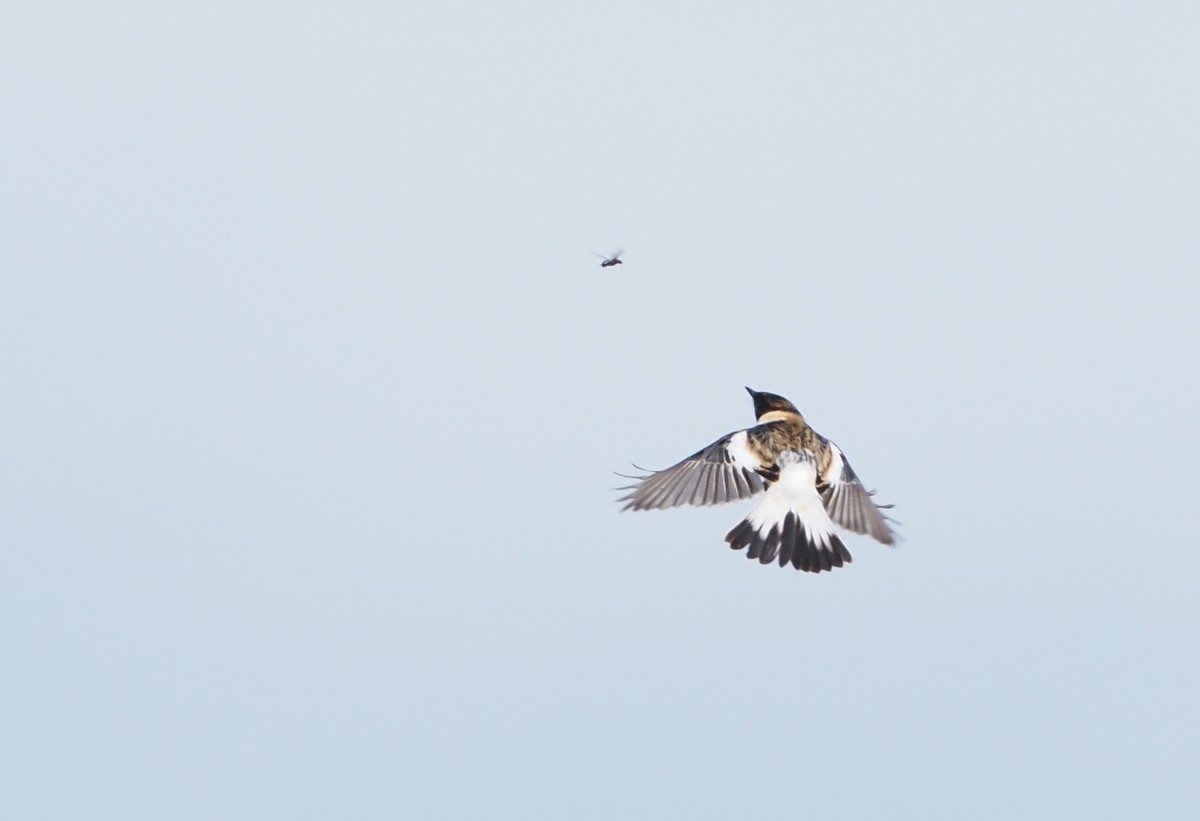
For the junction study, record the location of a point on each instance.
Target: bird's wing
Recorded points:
(722, 472)
(850, 504)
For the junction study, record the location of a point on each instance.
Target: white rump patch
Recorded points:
(796, 491)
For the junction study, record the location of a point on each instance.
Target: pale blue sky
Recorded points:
(315, 391)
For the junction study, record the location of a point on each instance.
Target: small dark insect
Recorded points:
(612, 259)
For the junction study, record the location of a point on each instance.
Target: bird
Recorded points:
(612, 259)
(810, 490)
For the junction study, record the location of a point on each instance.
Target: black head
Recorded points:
(764, 403)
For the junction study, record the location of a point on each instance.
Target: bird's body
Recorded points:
(810, 489)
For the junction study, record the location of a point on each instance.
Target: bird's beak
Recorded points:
(751, 391)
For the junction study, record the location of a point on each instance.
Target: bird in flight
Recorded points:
(612, 259)
(810, 490)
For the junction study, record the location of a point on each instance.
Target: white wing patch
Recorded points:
(739, 450)
(833, 473)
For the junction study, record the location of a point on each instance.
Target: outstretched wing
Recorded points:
(850, 504)
(722, 472)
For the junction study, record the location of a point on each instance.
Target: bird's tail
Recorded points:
(787, 539)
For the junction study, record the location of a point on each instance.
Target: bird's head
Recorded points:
(771, 406)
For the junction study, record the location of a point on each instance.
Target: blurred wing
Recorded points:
(617, 253)
(722, 472)
(850, 504)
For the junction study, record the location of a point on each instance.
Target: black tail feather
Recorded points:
(787, 541)
(771, 548)
(790, 543)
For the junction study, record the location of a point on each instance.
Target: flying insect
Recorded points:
(611, 259)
